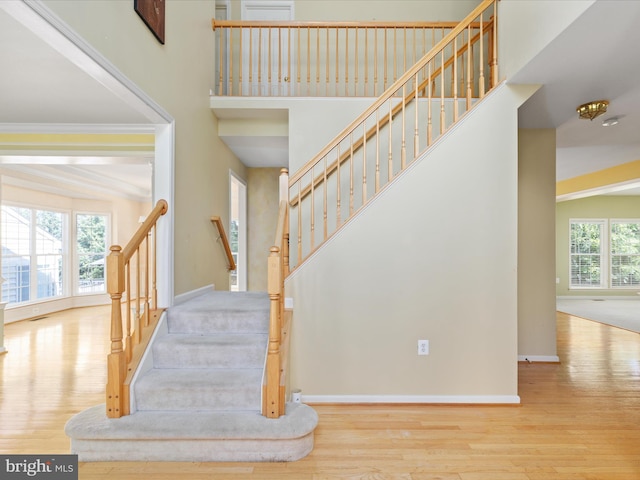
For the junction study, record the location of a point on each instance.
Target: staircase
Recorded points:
(198, 395)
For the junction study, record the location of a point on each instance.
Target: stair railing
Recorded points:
(222, 236)
(273, 389)
(129, 336)
(294, 58)
(397, 128)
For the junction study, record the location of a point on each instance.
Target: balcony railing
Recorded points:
(362, 59)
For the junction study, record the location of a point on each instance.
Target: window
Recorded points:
(604, 254)
(91, 248)
(32, 254)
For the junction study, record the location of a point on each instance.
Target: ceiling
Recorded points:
(586, 62)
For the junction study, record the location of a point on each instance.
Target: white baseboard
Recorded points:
(539, 358)
(432, 399)
(183, 297)
(631, 296)
(47, 307)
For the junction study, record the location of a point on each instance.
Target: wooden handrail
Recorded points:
(129, 340)
(273, 389)
(319, 24)
(391, 90)
(386, 119)
(231, 264)
(437, 91)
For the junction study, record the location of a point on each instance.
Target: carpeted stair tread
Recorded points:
(212, 312)
(199, 389)
(210, 351)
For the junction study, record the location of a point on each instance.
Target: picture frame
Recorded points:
(152, 13)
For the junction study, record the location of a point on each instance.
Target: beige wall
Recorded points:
(405, 10)
(536, 244)
(599, 207)
(262, 213)
(178, 76)
(423, 261)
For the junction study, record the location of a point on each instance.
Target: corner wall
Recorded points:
(433, 257)
(536, 245)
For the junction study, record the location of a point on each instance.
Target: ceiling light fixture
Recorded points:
(592, 109)
(610, 122)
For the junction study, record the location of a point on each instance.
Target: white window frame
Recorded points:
(610, 253)
(33, 256)
(76, 256)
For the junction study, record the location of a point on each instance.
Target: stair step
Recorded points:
(210, 351)
(192, 436)
(228, 312)
(199, 390)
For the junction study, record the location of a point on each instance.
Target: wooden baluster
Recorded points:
(338, 186)
(390, 155)
(404, 56)
(416, 133)
(285, 249)
(116, 365)
(415, 47)
(313, 215)
(271, 407)
(129, 328)
(351, 175)
(138, 324)
(494, 47)
(366, 61)
(146, 283)
(386, 61)
(298, 64)
(481, 75)
(326, 85)
(240, 61)
(155, 270)
(377, 186)
(429, 126)
(375, 63)
(259, 61)
(289, 79)
(318, 61)
(395, 54)
(308, 60)
(356, 62)
(442, 113)
(250, 89)
(337, 61)
(324, 199)
(469, 78)
(280, 86)
(221, 63)
(403, 147)
(230, 86)
(364, 163)
(455, 79)
(299, 222)
(346, 62)
(269, 64)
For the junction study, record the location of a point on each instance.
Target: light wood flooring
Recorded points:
(579, 420)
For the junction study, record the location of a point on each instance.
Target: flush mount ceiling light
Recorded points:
(592, 109)
(610, 122)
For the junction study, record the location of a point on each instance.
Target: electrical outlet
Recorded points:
(423, 347)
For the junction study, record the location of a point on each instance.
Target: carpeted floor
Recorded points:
(623, 313)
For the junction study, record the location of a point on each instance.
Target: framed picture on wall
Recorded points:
(152, 13)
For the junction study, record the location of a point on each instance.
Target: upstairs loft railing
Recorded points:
(399, 126)
(361, 59)
(131, 274)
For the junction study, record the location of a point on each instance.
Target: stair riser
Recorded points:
(205, 356)
(219, 322)
(178, 450)
(204, 398)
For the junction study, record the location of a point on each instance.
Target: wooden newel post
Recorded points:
(116, 362)
(272, 401)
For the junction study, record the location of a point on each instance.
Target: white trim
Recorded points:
(539, 358)
(599, 297)
(76, 128)
(41, 309)
(447, 399)
(185, 297)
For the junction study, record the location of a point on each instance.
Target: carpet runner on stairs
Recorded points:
(199, 398)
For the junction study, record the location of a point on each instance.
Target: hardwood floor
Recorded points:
(579, 420)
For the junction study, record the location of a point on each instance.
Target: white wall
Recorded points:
(434, 257)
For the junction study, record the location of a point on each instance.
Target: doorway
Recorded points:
(238, 232)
